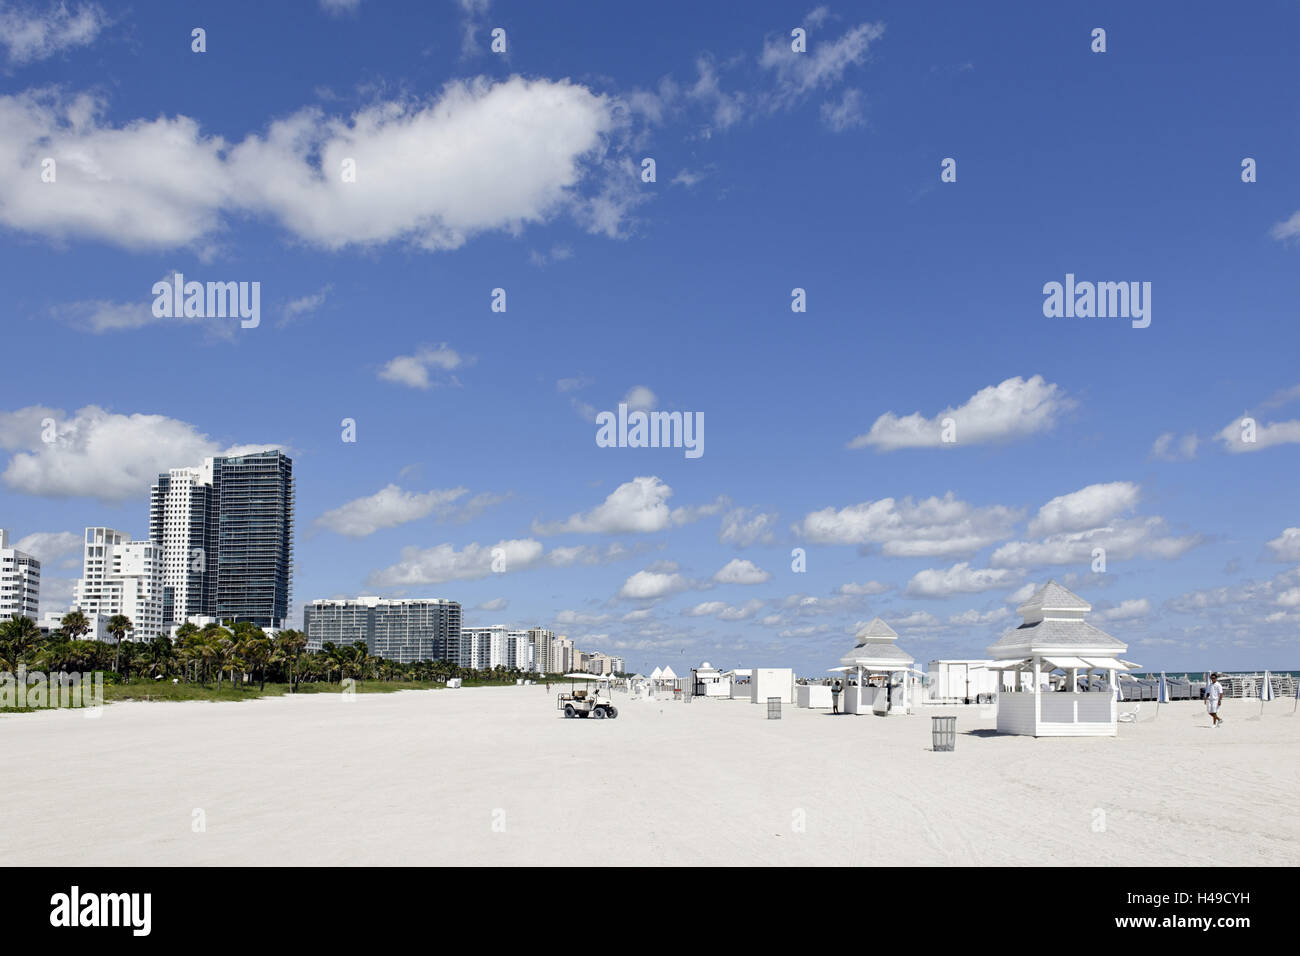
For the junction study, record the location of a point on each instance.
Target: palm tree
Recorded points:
(75, 625)
(288, 646)
(20, 634)
(161, 654)
(118, 625)
(256, 649)
(187, 647)
(226, 654)
(210, 646)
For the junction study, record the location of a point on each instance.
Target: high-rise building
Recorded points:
(20, 581)
(183, 522)
(519, 652)
(226, 529)
(255, 537)
(121, 576)
(483, 647)
(539, 641)
(561, 655)
(403, 630)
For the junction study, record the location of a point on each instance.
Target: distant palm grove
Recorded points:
(237, 653)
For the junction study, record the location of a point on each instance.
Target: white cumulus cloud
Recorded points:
(423, 566)
(479, 156)
(1016, 408)
(1088, 507)
(741, 571)
(417, 370)
(100, 454)
(1286, 546)
(958, 579)
(931, 527)
(387, 508)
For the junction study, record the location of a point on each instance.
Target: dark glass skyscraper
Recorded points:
(254, 537)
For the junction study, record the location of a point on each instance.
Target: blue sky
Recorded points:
(774, 170)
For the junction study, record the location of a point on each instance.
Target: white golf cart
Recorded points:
(592, 700)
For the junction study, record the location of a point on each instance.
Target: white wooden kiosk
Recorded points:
(708, 682)
(876, 654)
(1055, 637)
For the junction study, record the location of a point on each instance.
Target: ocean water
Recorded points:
(1200, 675)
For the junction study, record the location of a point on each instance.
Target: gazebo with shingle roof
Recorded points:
(876, 653)
(1055, 637)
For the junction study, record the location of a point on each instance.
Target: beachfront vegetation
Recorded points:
(237, 661)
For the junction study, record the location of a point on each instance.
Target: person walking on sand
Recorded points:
(1213, 697)
(835, 697)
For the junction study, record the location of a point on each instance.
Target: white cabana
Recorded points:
(708, 682)
(1055, 637)
(875, 655)
(667, 674)
(656, 674)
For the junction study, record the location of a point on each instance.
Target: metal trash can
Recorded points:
(774, 708)
(944, 733)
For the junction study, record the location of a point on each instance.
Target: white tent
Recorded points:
(667, 674)
(656, 674)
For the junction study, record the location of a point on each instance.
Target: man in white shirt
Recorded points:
(1213, 696)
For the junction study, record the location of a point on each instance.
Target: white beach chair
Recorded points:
(1129, 717)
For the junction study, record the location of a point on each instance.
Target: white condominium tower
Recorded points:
(20, 581)
(519, 651)
(483, 647)
(121, 576)
(182, 522)
(540, 640)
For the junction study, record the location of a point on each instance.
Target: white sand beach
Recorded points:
(420, 777)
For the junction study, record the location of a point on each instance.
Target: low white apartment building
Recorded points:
(51, 621)
(20, 581)
(121, 576)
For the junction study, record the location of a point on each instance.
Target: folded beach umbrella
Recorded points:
(1162, 691)
(1266, 688)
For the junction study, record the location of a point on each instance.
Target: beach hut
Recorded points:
(881, 669)
(1055, 637)
(768, 682)
(708, 682)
